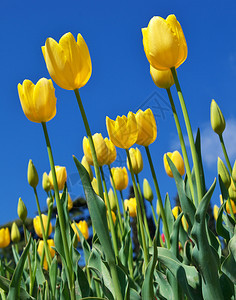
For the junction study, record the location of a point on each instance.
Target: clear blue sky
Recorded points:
(120, 82)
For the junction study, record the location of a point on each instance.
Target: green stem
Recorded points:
(182, 143)
(113, 234)
(60, 212)
(225, 153)
(45, 246)
(91, 144)
(122, 201)
(28, 256)
(163, 216)
(139, 214)
(117, 202)
(190, 136)
(143, 212)
(154, 215)
(115, 281)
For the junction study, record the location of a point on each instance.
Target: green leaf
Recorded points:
(186, 204)
(14, 288)
(97, 210)
(53, 275)
(164, 288)
(202, 254)
(169, 215)
(147, 288)
(229, 265)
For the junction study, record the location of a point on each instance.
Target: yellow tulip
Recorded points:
(131, 205)
(147, 128)
(95, 185)
(215, 212)
(61, 177)
(4, 237)
(162, 79)
(15, 233)
(100, 148)
(147, 191)
(83, 227)
(112, 200)
(111, 157)
(136, 160)
(68, 62)
(227, 205)
(51, 250)
(85, 163)
(37, 225)
(177, 161)
(123, 132)
(164, 43)
(175, 211)
(38, 101)
(217, 118)
(120, 177)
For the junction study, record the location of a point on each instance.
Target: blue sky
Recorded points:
(120, 82)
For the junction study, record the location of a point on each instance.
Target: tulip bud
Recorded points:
(215, 212)
(37, 225)
(177, 161)
(131, 206)
(33, 178)
(46, 182)
(85, 163)
(158, 210)
(147, 191)
(61, 177)
(22, 210)
(83, 227)
(232, 191)
(4, 237)
(49, 201)
(136, 160)
(70, 202)
(175, 211)
(223, 173)
(234, 172)
(95, 185)
(15, 233)
(217, 118)
(120, 177)
(112, 200)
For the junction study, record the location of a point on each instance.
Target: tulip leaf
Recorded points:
(203, 254)
(187, 276)
(53, 275)
(84, 244)
(147, 288)
(174, 237)
(229, 265)
(169, 215)
(97, 210)
(186, 204)
(164, 288)
(15, 284)
(220, 228)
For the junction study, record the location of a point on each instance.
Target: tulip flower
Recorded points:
(120, 177)
(215, 212)
(232, 190)
(38, 101)
(37, 225)
(95, 185)
(223, 173)
(227, 205)
(147, 128)
(131, 205)
(15, 233)
(123, 132)
(136, 160)
(85, 163)
(176, 210)
(70, 202)
(112, 200)
(177, 161)
(111, 157)
(147, 191)
(162, 79)
(51, 250)
(83, 227)
(100, 148)
(164, 43)
(68, 62)
(217, 118)
(61, 177)
(4, 237)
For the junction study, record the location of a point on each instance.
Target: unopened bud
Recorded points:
(147, 191)
(15, 233)
(85, 163)
(22, 210)
(33, 178)
(46, 182)
(217, 118)
(223, 173)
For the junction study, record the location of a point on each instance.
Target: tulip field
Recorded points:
(119, 252)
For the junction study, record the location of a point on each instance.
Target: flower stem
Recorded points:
(190, 136)
(117, 202)
(113, 234)
(139, 214)
(122, 201)
(143, 212)
(154, 215)
(163, 216)
(225, 153)
(60, 212)
(29, 262)
(91, 144)
(182, 143)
